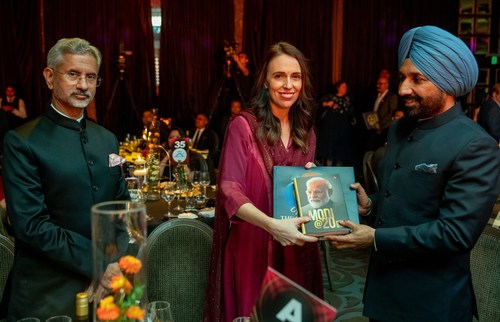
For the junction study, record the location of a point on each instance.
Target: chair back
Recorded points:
(371, 182)
(197, 162)
(6, 260)
(3, 221)
(178, 261)
(485, 269)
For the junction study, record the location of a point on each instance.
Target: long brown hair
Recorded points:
(301, 120)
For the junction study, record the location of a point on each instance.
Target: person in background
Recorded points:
(174, 134)
(438, 181)
(336, 119)
(203, 138)
(235, 106)
(276, 130)
(243, 77)
(57, 167)
(385, 103)
(489, 114)
(206, 139)
(14, 107)
(12, 111)
(152, 124)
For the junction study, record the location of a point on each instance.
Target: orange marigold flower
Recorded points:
(120, 282)
(107, 309)
(130, 264)
(135, 312)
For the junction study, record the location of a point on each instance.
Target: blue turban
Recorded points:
(443, 58)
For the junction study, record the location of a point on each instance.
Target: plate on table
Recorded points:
(187, 215)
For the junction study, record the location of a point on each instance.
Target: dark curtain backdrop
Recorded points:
(305, 24)
(372, 31)
(112, 26)
(192, 56)
(21, 58)
(106, 24)
(193, 34)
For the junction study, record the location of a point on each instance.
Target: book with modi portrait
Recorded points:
(322, 193)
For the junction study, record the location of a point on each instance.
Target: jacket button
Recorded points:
(397, 166)
(95, 188)
(387, 194)
(91, 162)
(410, 139)
(380, 222)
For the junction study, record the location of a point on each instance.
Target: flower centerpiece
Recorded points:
(123, 304)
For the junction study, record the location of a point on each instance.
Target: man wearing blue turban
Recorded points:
(438, 181)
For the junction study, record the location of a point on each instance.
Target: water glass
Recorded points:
(204, 181)
(190, 199)
(159, 311)
(59, 318)
(29, 319)
(168, 194)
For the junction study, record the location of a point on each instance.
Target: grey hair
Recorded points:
(314, 179)
(72, 46)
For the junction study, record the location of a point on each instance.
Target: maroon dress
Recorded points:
(242, 251)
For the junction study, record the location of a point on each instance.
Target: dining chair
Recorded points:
(485, 268)
(6, 259)
(371, 182)
(177, 265)
(3, 221)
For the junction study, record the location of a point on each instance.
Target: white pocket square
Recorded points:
(115, 160)
(424, 167)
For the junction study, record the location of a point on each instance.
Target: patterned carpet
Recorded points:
(348, 269)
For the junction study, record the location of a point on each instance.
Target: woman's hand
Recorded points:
(285, 231)
(309, 165)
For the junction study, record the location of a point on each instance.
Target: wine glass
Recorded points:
(135, 191)
(195, 179)
(181, 184)
(159, 311)
(178, 194)
(168, 194)
(204, 181)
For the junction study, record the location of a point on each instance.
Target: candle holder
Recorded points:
(153, 174)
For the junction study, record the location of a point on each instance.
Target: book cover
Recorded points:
(321, 198)
(285, 202)
(371, 120)
(281, 299)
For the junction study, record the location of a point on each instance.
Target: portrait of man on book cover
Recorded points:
(321, 198)
(319, 192)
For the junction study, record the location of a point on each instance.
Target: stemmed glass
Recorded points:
(181, 183)
(168, 194)
(159, 311)
(135, 191)
(204, 181)
(195, 181)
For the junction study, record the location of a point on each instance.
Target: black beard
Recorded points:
(425, 108)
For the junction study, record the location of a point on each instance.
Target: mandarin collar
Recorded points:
(63, 120)
(442, 118)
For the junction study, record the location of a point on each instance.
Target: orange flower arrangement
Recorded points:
(122, 305)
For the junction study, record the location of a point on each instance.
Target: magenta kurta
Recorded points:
(242, 251)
